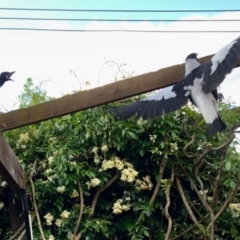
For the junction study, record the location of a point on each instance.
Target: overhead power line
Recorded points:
(118, 20)
(118, 10)
(119, 30)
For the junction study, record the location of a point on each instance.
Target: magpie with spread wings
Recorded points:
(199, 86)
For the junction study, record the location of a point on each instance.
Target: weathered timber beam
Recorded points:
(10, 168)
(94, 97)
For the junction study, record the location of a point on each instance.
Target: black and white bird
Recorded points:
(199, 86)
(5, 76)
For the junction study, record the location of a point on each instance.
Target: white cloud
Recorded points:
(50, 55)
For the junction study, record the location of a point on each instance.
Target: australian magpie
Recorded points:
(5, 76)
(199, 85)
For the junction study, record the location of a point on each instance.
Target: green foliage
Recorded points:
(32, 95)
(116, 166)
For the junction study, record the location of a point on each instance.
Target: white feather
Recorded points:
(190, 65)
(221, 55)
(165, 93)
(204, 101)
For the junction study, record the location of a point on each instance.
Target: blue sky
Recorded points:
(124, 4)
(107, 4)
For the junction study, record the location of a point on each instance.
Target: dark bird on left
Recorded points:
(5, 76)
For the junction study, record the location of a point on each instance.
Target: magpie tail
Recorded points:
(216, 126)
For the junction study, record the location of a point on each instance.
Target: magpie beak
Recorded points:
(8, 77)
(199, 85)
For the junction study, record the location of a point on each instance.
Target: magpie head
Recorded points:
(5, 76)
(192, 56)
(191, 63)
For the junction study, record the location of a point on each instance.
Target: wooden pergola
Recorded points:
(10, 168)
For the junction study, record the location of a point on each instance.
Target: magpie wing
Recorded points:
(221, 64)
(164, 101)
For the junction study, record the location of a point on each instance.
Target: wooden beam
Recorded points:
(10, 168)
(94, 97)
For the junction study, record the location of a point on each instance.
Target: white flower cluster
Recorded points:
(173, 147)
(153, 138)
(49, 218)
(201, 192)
(95, 150)
(235, 209)
(4, 184)
(50, 178)
(235, 206)
(104, 148)
(128, 175)
(209, 199)
(156, 151)
(64, 215)
(141, 122)
(69, 236)
(73, 163)
(93, 183)
(52, 139)
(59, 222)
(119, 207)
(1, 205)
(107, 164)
(47, 171)
(74, 194)
(144, 184)
(24, 137)
(51, 237)
(165, 184)
(50, 159)
(61, 189)
(114, 162)
(97, 158)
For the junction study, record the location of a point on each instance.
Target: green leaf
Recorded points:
(132, 135)
(232, 184)
(228, 166)
(146, 233)
(142, 152)
(59, 208)
(66, 181)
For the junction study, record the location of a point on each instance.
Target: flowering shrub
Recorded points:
(96, 177)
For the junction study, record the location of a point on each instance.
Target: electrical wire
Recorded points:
(118, 20)
(119, 10)
(119, 30)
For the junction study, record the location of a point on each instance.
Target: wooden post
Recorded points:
(12, 172)
(10, 168)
